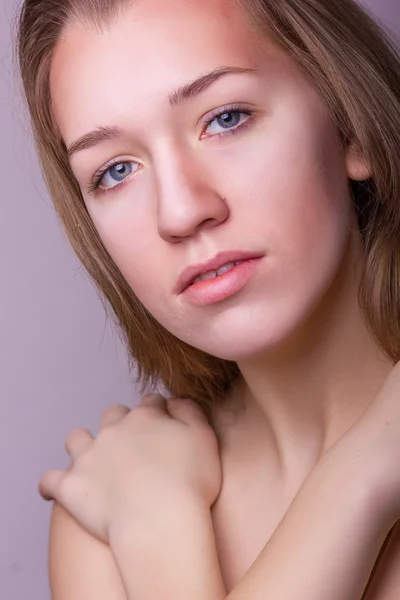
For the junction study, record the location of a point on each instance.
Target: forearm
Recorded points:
(173, 557)
(325, 546)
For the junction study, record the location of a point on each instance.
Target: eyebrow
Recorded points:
(194, 88)
(185, 92)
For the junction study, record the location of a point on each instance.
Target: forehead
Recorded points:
(151, 48)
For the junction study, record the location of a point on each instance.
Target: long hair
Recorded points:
(350, 60)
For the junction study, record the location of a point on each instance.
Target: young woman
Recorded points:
(253, 144)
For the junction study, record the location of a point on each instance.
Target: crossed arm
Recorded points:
(325, 547)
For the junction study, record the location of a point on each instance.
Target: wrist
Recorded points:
(383, 493)
(169, 552)
(363, 479)
(156, 519)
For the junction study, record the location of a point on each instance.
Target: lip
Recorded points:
(222, 258)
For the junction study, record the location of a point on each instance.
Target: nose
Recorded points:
(188, 200)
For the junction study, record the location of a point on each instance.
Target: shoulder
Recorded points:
(81, 567)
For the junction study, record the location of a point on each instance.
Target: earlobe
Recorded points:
(357, 166)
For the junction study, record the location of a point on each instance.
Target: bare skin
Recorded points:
(309, 366)
(145, 485)
(254, 501)
(189, 197)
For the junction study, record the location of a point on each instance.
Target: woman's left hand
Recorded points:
(161, 451)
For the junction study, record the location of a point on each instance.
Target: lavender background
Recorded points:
(60, 361)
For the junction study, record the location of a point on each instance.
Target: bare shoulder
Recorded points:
(80, 566)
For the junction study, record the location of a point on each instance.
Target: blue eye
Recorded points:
(228, 119)
(112, 175)
(116, 173)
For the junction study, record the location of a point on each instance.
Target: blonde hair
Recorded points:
(353, 64)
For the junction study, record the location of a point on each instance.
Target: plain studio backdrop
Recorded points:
(61, 363)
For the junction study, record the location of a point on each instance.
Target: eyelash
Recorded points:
(234, 108)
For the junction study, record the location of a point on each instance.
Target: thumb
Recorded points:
(186, 410)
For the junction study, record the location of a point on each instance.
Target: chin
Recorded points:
(247, 338)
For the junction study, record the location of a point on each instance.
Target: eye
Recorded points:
(113, 175)
(226, 119)
(116, 173)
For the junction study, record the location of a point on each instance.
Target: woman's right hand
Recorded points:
(372, 446)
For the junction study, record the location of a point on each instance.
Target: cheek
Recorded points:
(312, 242)
(294, 196)
(318, 220)
(297, 190)
(130, 242)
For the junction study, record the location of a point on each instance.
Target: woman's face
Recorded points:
(268, 178)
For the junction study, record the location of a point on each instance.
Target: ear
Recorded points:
(357, 166)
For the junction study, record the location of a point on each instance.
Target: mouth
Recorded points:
(218, 265)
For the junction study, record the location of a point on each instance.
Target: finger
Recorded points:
(77, 441)
(113, 414)
(49, 485)
(186, 410)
